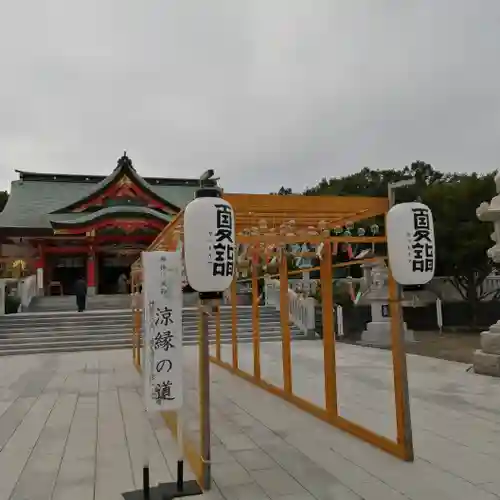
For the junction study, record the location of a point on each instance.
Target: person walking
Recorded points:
(81, 294)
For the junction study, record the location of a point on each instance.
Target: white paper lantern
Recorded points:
(209, 244)
(411, 243)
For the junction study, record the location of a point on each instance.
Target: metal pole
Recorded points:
(180, 446)
(401, 378)
(145, 463)
(204, 368)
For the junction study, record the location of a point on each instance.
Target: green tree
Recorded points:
(461, 239)
(283, 191)
(369, 182)
(4, 196)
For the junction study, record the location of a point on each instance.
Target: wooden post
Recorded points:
(328, 331)
(217, 332)
(400, 373)
(234, 323)
(255, 314)
(285, 324)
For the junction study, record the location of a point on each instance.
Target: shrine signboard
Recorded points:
(162, 299)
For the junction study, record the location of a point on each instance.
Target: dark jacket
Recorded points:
(80, 287)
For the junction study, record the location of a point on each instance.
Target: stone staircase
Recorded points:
(51, 328)
(67, 303)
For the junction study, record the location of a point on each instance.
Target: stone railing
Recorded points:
(27, 290)
(300, 309)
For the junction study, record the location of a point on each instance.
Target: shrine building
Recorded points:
(71, 226)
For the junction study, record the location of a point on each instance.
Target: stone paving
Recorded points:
(72, 427)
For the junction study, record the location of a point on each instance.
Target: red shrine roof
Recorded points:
(41, 202)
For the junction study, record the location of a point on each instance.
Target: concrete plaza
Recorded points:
(72, 427)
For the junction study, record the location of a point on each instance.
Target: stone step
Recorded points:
(192, 309)
(98, 347)
(106, 312)
(119, 320)
(69, 305)
(265, 329)
(54, 344)
(92, 315)
(87, 317)
(127, 326)
(98, 336)
(69, 330)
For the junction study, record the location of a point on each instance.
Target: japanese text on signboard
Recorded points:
(422, 241)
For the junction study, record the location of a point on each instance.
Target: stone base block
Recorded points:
(490, 342)
(486, 364)
(378, 333)
(91, 290)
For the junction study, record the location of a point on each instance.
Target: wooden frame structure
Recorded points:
(307, 213)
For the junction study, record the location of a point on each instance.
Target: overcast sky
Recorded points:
(267, 92)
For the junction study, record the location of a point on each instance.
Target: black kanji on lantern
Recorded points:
(422, 245)
(223, 262)
(224, 216)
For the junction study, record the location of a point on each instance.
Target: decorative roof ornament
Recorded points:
(124, 161)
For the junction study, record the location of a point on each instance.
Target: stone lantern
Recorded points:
(487, 359)
(378, 331)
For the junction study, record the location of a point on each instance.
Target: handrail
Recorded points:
(300, 309)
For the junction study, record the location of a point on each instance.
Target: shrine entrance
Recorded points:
(65, 270)
(109, 269)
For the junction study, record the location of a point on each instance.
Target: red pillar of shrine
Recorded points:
(91, 281)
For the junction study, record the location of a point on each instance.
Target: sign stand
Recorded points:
(162, 360)
(206, 308)
(412, 260)
(145, 468)
(180, 461)
(209, 257)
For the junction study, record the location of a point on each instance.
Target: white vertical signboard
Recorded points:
(410, 243)
(162, 302)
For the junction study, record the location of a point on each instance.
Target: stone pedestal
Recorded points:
(378, 331)
(487, 359)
